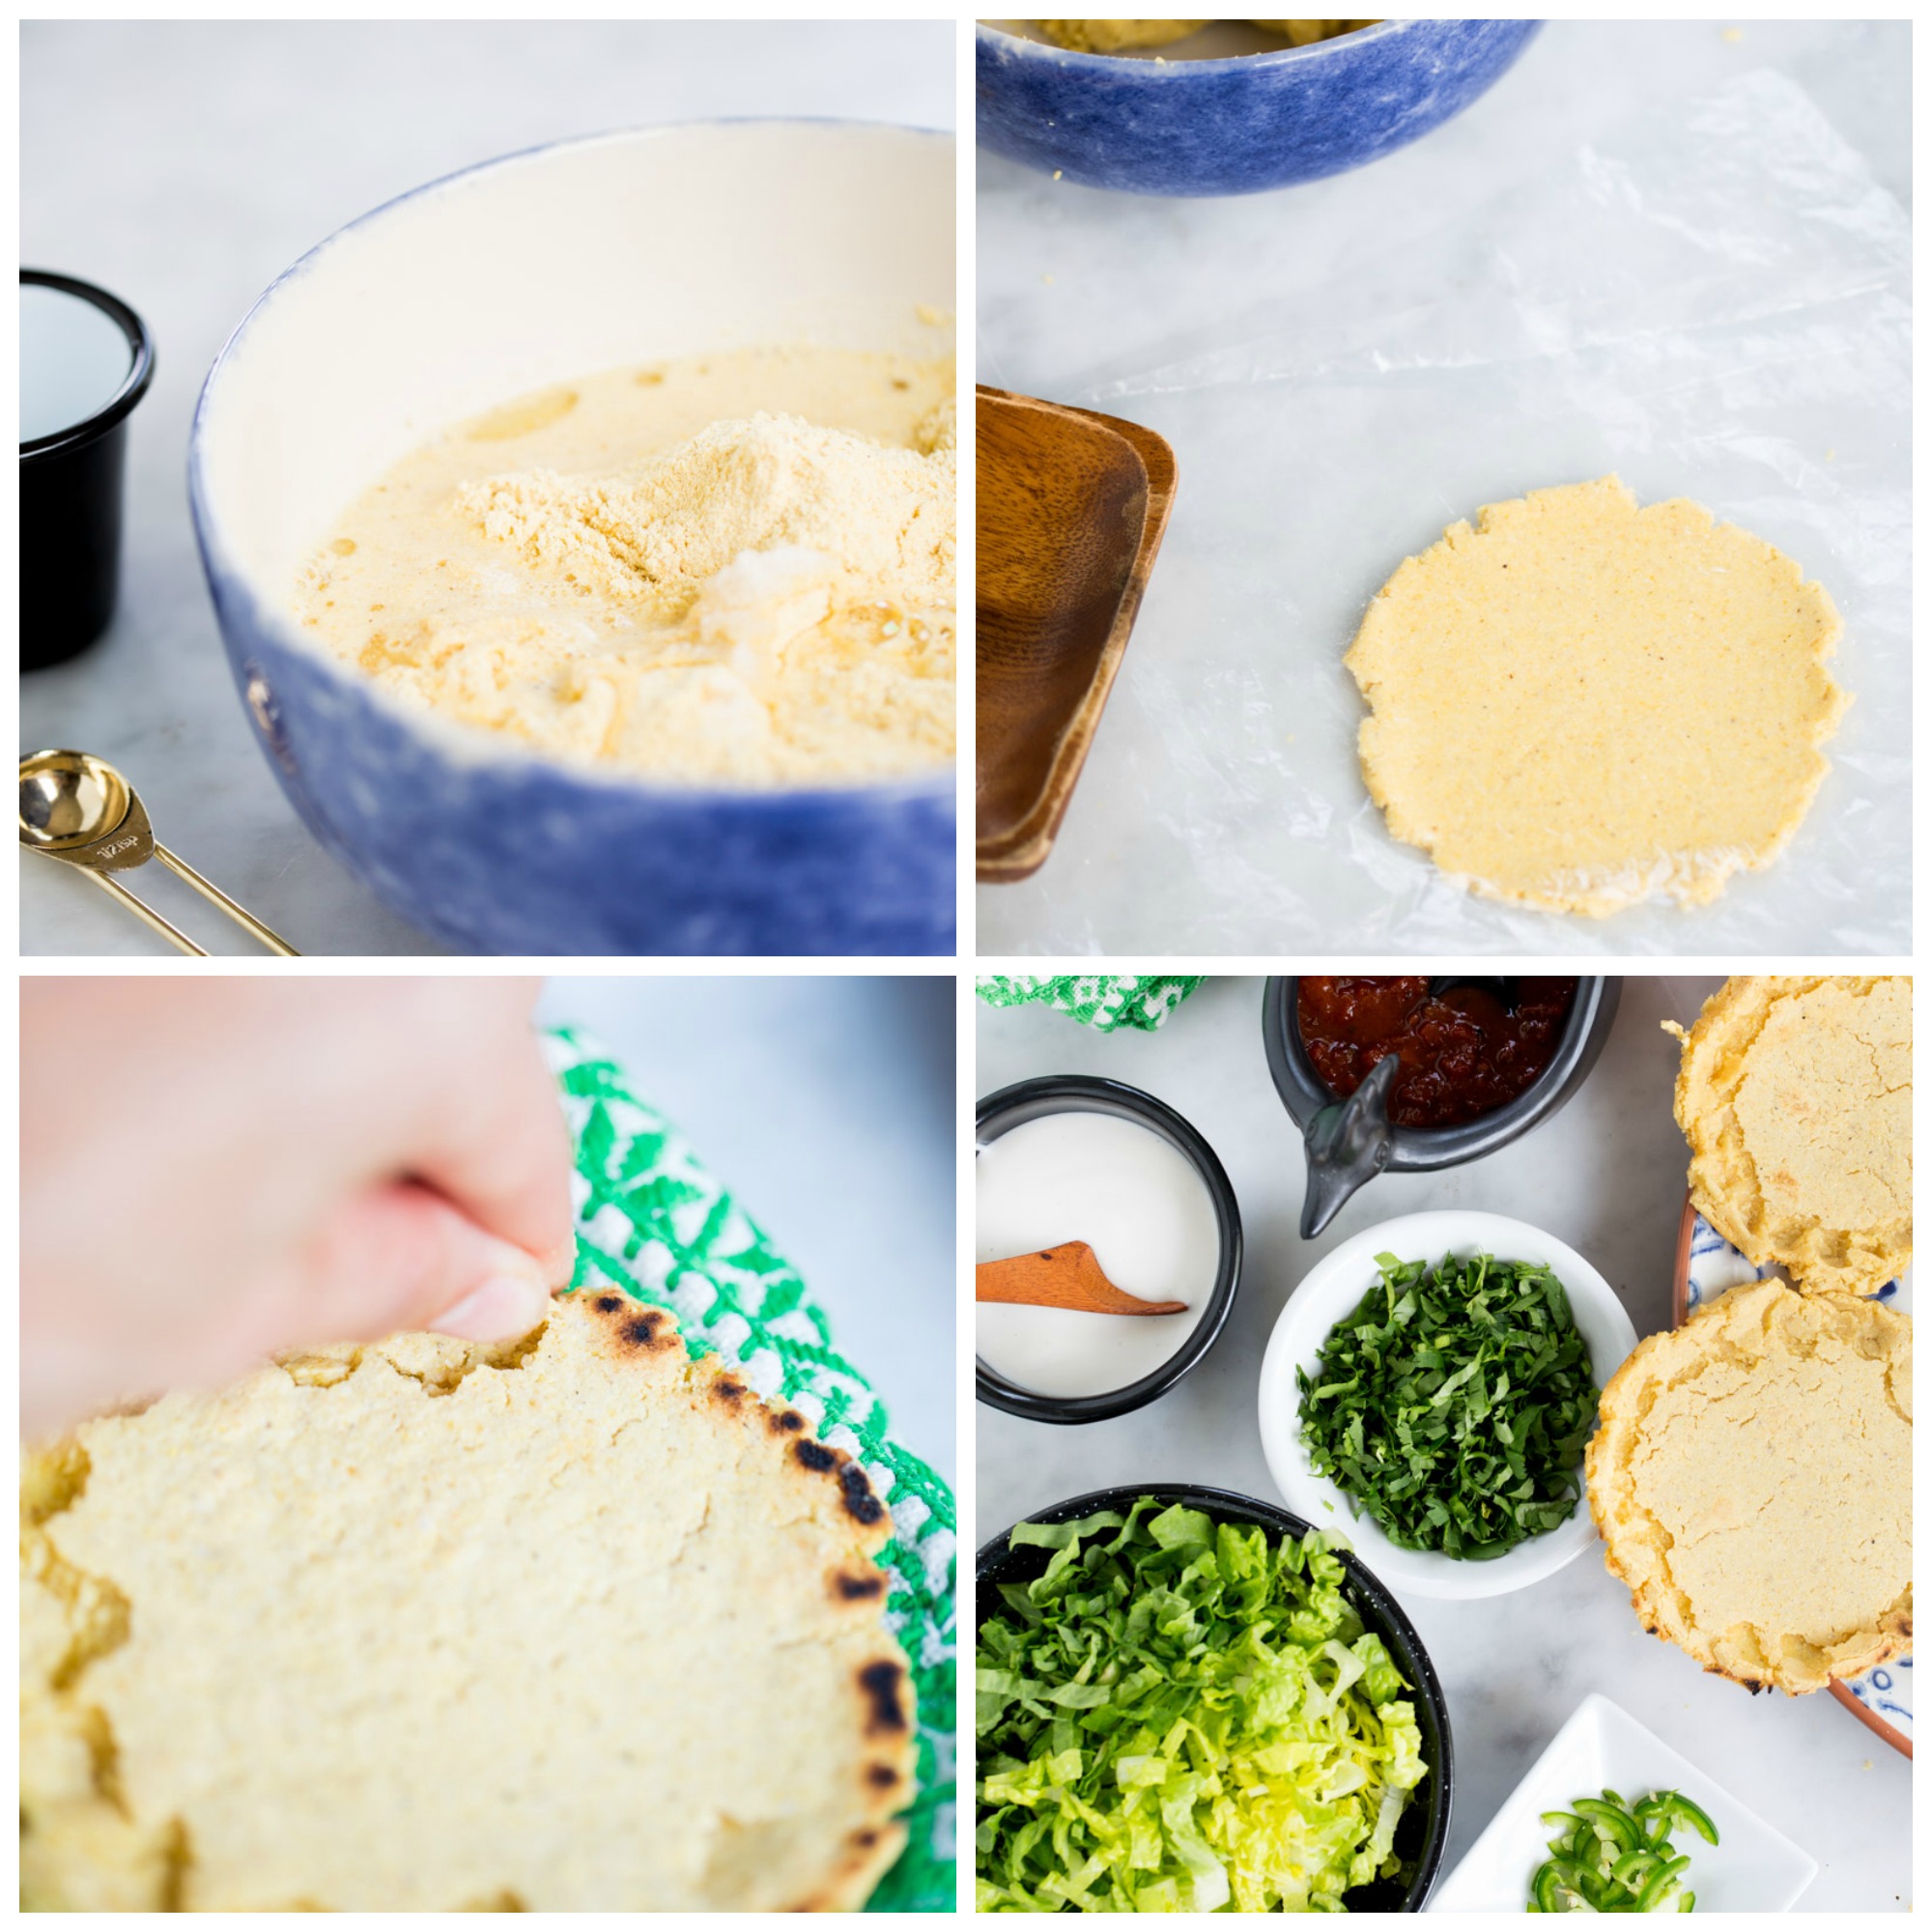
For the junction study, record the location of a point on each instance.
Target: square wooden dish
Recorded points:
(1069, 509)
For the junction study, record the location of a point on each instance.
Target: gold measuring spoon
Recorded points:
(78, 809)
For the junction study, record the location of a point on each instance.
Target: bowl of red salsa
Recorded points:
(1480, 1063)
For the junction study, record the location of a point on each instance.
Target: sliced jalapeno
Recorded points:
(1695, 1817)
(1611, 1856)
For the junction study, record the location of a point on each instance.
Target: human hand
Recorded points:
(213, 1170)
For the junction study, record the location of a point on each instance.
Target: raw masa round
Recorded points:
(1795, 1096)
(575, 1624)
(1580, 704)
(1751, 1476)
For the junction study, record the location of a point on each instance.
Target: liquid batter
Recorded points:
(734, 570)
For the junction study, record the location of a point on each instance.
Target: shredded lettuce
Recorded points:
(1179, 1716)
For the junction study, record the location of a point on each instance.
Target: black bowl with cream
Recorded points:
(1072, 1158)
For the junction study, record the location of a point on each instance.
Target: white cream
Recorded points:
(1138, 1203)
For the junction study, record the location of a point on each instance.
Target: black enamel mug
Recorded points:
(86, 360)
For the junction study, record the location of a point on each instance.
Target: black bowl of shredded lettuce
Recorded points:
(1188, 1701)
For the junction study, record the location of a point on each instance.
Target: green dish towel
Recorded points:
(1096, 999)
(652, 1221)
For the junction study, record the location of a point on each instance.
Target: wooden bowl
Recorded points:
(1070, 509)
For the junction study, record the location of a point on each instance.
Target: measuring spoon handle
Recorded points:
(142, 910)
(213, 894)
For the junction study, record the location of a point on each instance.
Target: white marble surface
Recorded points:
(826, 1105)
(1606, 1175)
(183, 166)
(1615, 259)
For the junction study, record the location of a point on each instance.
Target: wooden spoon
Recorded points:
(1069, 1276)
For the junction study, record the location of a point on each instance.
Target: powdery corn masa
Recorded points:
(574, 1625)
(737, 570)
(1112, 37)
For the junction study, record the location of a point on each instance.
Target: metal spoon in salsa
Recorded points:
(1463, 1054)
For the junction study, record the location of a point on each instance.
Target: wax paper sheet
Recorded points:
(653, 1221)
(1712, 302)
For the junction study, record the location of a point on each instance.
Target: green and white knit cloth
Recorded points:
(652, 1221)
(1097, 1000)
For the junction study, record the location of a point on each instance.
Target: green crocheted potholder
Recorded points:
(1096, 999)
(652, 1221)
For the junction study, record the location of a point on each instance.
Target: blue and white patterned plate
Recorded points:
(1706, 1264)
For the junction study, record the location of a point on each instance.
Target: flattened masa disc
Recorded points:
(1544, 692)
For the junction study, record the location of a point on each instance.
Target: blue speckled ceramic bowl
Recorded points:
(1234, 126)
(533, 270)
(1706, 1264)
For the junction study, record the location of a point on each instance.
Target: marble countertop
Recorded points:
(826, 1106)
(183, 166)
(1678, 251)
(1607, 1176)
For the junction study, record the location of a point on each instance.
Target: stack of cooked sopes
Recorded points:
(1751, 1472)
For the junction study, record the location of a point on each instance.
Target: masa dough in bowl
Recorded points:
(1751, 1475)
(1112, 37)
(574, 1625)
(726, 570)
(1795, 1096)
(1579, 704)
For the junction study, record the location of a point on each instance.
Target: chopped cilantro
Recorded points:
(1453, 1404)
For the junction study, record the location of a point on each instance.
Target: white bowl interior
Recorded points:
(1331, 1289)
(636, 246)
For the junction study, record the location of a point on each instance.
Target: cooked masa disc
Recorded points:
(1795, 1096)
(1751, 1475)
(578, 1625)
(1580, 704)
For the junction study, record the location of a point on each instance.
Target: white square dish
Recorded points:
(1750, 1868)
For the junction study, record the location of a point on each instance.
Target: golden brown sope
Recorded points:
(1751, 1475)
(1795, 1094)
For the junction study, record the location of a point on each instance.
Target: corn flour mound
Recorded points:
(740, 571)
(578, 1624)
(655, 532)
